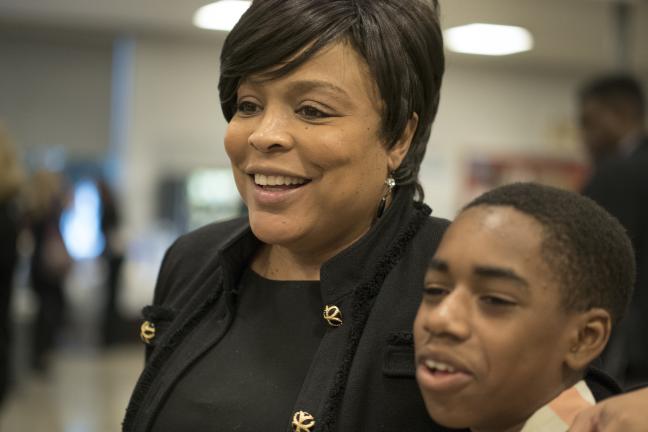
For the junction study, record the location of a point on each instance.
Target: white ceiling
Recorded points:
(569, 34)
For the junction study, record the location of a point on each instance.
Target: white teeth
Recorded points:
(434, 365)
(260, 179)
(264, 180)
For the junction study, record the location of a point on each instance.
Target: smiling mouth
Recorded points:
(278, 182)
(437, 367)
(440, 377)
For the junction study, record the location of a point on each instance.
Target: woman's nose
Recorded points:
(450, 319)
(272, 133)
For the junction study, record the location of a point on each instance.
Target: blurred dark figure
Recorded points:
(613, 110)
(11, 176)
(114, 257)
(50, 262)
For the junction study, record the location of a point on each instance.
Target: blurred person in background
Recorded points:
(612, 116)
(50, 261)
(11, 178)
(113, 256)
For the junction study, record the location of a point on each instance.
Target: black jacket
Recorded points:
(620, 185)
(362, 375)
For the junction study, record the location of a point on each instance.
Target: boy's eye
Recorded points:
(247, 108)
(434, 292)
(310, 112)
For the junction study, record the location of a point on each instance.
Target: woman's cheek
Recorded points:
(235, 142)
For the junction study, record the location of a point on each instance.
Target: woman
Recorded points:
(11, 178)
(299, 318)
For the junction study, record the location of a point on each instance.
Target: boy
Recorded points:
(519, 298)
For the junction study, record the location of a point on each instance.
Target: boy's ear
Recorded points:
(590, 336)
(397, 153)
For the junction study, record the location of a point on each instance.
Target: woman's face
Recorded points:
(307, 155)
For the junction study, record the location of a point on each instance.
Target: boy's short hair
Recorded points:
(586, 247)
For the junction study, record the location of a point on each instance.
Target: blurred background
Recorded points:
(111, 146)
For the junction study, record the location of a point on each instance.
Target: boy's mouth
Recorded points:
(441, 376)
(438, 367)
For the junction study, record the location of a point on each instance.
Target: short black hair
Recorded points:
(616, 91)
(401, 41)
(586, 247)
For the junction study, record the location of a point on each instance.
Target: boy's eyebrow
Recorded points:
(500, 273)
(482, 271)
(438, 265)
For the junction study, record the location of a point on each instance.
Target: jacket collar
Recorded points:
(642, 147)
(339, 275)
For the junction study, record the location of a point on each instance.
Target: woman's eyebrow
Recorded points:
(500, 273)
(309, 85)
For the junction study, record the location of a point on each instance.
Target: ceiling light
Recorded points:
(488, 39)
(220, 15)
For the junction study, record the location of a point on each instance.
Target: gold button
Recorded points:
(303, 422)
(333, 315)
(147, 332)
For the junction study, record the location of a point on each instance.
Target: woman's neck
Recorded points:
(304, 261)
(279, 262)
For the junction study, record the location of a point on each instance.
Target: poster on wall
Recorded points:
(487, 172)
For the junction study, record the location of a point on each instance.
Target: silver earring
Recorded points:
(390, 182)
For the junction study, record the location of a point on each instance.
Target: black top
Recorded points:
(361, 377)
(273, 338)
(620, 185)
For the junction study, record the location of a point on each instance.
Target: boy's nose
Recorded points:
(450, 319)
(272, 133)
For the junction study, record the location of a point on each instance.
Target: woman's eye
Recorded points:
(310, 112)
(247, 108)
(496, 301)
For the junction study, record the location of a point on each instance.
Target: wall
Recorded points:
(177, 123)
(56, 94)
(166, 120)
(497, 110)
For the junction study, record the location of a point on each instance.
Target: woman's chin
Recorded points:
(274, 229)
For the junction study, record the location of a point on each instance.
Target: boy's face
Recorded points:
(490, 334)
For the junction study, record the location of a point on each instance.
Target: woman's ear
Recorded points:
(589, 338)
(396, 154)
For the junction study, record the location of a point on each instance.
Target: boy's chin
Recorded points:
(450, 417)
(467, 416)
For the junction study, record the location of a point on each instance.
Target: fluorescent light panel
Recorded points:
(488, 39)
(220, 15)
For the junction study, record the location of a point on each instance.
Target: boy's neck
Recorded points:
(515, 428)
(517, 425)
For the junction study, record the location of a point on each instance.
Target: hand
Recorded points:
(625, 413)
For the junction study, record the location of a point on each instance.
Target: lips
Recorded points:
(438, 366)
(278, 180)
(441, 373)
(276, 188)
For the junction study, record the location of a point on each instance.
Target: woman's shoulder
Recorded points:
(210, 238)
(434, 226)
(194, 252)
